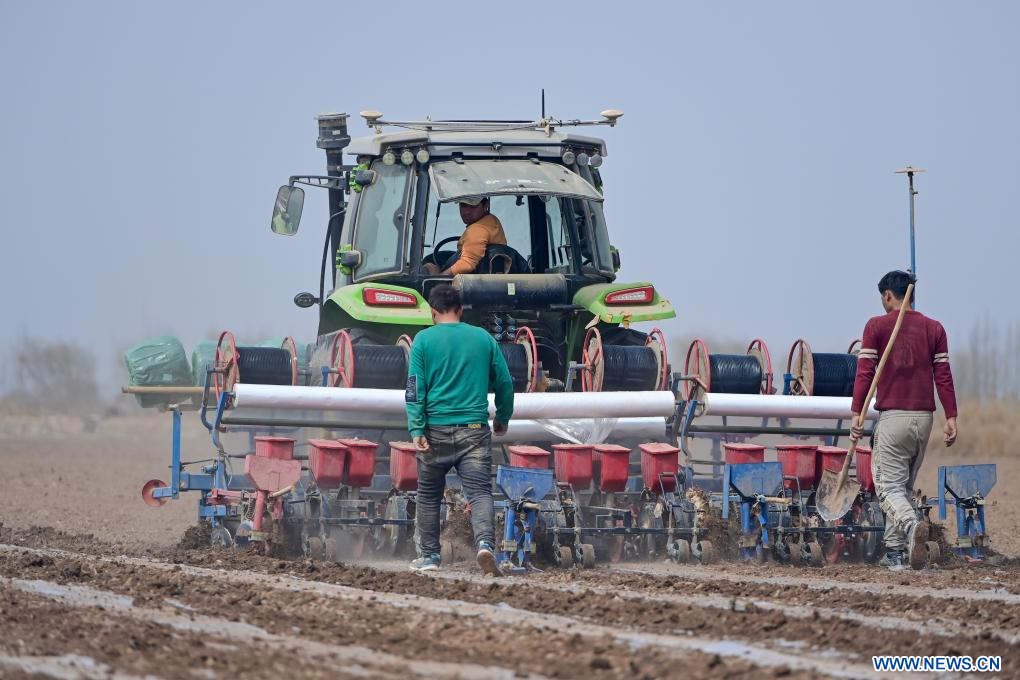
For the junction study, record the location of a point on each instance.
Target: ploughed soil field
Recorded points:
(95, 584)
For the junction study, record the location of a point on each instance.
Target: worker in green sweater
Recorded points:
(453, 366)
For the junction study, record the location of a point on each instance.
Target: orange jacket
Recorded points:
(472, 243)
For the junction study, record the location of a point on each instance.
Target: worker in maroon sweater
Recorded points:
(917, 366)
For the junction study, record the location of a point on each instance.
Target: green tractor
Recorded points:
(550, 296)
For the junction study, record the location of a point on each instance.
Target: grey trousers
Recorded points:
(467, 450)
(901, 438)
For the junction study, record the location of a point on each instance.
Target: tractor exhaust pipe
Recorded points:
(333, 139)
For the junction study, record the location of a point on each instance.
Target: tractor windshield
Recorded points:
(551, 216)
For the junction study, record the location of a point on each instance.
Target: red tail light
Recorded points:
(381, 297)
(631, 296)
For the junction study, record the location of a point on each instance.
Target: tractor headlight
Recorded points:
(568, 157)
(406, 157)
(389, 158)
(595, 160)
(422, 156)
(582, 158)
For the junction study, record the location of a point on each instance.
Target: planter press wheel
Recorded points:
(565, 556)
(855, 347)
(616, 547)
(934, 552)
(704, 551)
(226, 373)
(593, 360)
(341, 361)
(587, 556)
(220, 537)
(656, 342)
(835, 547)
(290, 346)
(314, 548)
(696, 366)
(800, 364)
(526, 338)
(811, 554)
(760, 351)
(681, 551)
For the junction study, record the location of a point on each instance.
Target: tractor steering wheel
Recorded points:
(435, 251)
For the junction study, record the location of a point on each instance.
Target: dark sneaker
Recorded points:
(426, 563)
(487, 558)
(894, 560)
(917, 551)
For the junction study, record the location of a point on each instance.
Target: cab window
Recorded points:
(381, 221)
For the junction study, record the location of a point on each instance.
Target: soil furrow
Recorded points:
(904, 587)
(580, 583)
(633, 621)
(356, 661)
(420, 627)
(44, 634)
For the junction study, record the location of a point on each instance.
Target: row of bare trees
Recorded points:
(987, 365)
(58, 374)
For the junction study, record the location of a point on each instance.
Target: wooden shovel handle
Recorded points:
(874, 381)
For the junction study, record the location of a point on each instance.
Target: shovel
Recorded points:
(836, 491)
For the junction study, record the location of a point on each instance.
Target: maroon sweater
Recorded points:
(919, 361)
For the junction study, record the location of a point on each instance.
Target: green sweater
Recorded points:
(453, 365)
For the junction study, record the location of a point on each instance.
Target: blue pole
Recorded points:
(175, 453)
(910, 171)
(913, 252)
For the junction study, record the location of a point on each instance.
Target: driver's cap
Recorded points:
(471, 200)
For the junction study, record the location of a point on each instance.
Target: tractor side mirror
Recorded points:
(616, 258)
(305, 300)
(287, 210)
(365, 178)
(350, 259)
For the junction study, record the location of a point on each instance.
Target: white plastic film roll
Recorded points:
(537, 405)
(779, 406)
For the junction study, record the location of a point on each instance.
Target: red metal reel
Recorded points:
(291, 347)
(697, 365)
(341, 361)
(855, 347)
(593, 359)
(656, 341)
(760, 350)
(147, 490)
(226, 373)
(804, 377)
(527, 338)
(405, 342)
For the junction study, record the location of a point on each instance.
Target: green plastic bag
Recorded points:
(202, 357)
(157, 362)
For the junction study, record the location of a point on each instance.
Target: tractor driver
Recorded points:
(483, 229)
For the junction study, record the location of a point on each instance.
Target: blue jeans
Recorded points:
(467, 450)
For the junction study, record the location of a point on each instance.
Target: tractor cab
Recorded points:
(398, 213)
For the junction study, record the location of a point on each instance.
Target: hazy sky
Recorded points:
(751, 179)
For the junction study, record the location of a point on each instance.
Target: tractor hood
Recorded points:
(512, 291)
(455, 180)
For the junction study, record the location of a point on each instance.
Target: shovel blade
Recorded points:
(833, 500)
